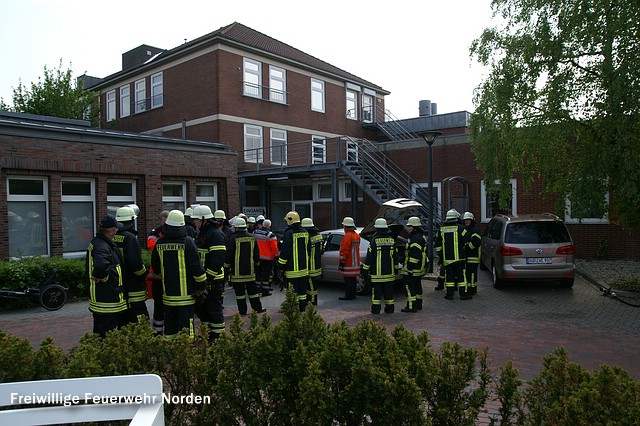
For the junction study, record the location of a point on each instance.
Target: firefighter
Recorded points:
(450, 243)
(293, 262)
(103, 278)
(268, 245)
(134, 272)
(154, 282)
(175, 258)
(380, 266)
(472, 252)
(251, 224)
(415, 265)
(221, 217)
(211, 244)
(241, 260)
(349, 260)
(188, 220)
(315, 258)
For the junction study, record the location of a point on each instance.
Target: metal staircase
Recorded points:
(383, 180)
(393, 128)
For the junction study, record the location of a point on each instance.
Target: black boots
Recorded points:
(464, 295)
(449, 294)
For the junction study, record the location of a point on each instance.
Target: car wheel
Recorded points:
(495, 280)
(363, 288)
(567, 283)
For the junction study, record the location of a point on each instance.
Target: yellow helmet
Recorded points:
(292, 217)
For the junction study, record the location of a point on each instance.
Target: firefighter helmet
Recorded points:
(414, 221)
(175, 218)
(381, 223)
(188, 212)
(260, 217)
(251, 220)
(239, 223)
(202, 212)
(219, 214)
(468, 216)
(452, 215)
(125, 214)
(292, 217)
(307, 223)
(348, 221)
(135, 208)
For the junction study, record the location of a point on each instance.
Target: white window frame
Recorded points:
(208, 200)
(587, 220)
(367, 108)
(111, 105)
(437, 191)
(277, 139)
(317, 95)
(141, 95)
(253, 145)
(90, 198)
(181, 199)
(277, 84)
(484, 201)
(351, 104)
(252, 78)
(344, 191)
(316, 191)
(318, 143)
(116, 201)
(125, 101)
(41, 198)
(157, 90)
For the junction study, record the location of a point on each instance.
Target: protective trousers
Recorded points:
(177, 318)
(158, 306)
(471, 272)
(210, 310)
(244, 289)
(455, 276)
(382, 290)
(300, 286)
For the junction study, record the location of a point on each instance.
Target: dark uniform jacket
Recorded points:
(473, 245)
(381, 257)
(242, 258)
(103, 261)
(294, 253)
(134, 271)
(416, 258)
(315, 254)
(175, 258)
(450, 242)
(212, 247)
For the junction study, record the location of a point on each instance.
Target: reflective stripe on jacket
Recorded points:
(416, 254)
(381, 258)
(350, 253)
(294, 255)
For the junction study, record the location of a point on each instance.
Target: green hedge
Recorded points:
(304, 371)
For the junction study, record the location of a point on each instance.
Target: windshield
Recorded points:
(536, 233)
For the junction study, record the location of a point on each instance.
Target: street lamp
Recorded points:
(430, 137)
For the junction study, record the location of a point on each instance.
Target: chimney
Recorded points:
(139, 56)
(427, 108)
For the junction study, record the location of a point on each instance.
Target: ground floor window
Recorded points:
(27, 204)
(78, 212)
(286, 198)
(174, 196)
(120, 193)
(207, 194)
(489, 200)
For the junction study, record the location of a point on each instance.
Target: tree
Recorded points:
(58, 94)
(561, 103)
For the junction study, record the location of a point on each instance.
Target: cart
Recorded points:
(50, 294)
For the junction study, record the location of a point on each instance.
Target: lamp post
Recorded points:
(430, 137)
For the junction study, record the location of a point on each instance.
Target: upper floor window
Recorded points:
(207, 194)
(174, 196)
(27, 205)
(278, 146)
(252, 144)
(317, 95)
(141, 95)
(111, 105)
(125, 101)
(277, 85)
(318, 150)
(78, 207)
(489, 200)
(157, 91)
(252, 78)
(367, 108)
(352, 105)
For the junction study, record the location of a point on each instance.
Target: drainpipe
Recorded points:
(184, 128)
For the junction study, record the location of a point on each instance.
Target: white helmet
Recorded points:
(260, 217)
(239, 223)
(468, 215)
(381, 223)
(219, 214)
(125, 214)
(307, 222)
(202, 212)
(175, 218)
(348, 221)
(452, 215)
(414, 221)
(251, 220)
(135, 208)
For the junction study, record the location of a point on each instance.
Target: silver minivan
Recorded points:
(530, 247)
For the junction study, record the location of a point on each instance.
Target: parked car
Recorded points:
(530, 247)
(396, 212)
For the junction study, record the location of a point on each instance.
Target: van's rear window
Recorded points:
(536, 233)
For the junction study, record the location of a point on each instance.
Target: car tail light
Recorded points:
(567, 250)
(510, 251)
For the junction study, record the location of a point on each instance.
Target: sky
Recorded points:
(415, 49)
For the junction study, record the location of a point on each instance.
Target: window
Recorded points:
(173, 196)
(207, 194)
(586, 211)
(78, 203)
(367, 108)
(318, 150)
(27, 199)
(278, 146)
(120, 193)
(141, 95)
(252, 78)
(346, 191)
(489, 201)
(157, 96)
(323, 192)
(352, 105)
(252, 144)
(421, 194)
(125, 101)
(317, 95)
(111, 105)
(277, 85)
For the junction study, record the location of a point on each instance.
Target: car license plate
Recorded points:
(538, 260)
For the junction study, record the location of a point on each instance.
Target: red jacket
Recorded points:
(350, 254)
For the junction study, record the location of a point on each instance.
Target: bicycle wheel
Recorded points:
(53, 297)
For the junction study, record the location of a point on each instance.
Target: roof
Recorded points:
(239, 35)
